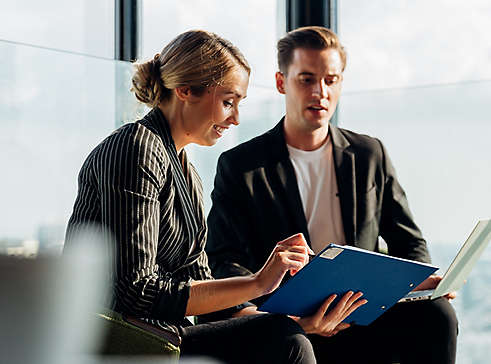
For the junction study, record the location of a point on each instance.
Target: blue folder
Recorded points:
(338, 269)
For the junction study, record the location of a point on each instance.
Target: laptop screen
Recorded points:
(465, 260)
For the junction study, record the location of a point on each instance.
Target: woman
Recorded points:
(139, 186)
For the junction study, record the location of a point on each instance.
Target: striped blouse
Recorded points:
(149, 199)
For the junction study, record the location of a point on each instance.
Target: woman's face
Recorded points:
(207, 117)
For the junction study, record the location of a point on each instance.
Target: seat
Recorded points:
(130, 336)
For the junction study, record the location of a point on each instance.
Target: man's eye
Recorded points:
(331, 81)
(306, 80)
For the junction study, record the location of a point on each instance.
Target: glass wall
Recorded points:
(407, 43)
(438, 140)
(82, 26)
(251, 25)
(55, 107)
(418, 77)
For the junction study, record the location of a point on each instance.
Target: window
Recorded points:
(82, 26)
(419, 78)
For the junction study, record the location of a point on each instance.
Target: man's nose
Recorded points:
(321, 88)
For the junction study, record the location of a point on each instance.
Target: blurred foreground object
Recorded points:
(52, 312)
(45, 304)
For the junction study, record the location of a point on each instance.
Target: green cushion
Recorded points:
(124, 338)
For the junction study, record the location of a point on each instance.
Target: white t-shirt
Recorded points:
(316, 179)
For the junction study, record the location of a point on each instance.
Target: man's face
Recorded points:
(312, 88)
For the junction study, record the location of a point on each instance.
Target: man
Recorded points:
(333, 185)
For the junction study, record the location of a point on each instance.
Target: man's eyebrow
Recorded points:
(305, 73)
(312, 74)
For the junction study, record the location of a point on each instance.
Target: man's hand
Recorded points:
(330, 324)
(431, 282)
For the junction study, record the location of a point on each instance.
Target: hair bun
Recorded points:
(147, 83)
(155, 69)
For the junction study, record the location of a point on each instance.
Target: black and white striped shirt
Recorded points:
(136, 187)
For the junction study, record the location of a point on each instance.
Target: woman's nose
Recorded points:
(234, 119)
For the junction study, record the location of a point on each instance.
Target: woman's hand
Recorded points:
(289, 254)
(330, 324)
(214, 295)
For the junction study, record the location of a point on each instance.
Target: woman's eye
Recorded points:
(228, 104)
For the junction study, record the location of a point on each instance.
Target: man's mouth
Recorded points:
(317, 108)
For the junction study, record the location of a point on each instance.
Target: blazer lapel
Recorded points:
(344, 163)
(283, 168)
(156, 120)
(292, 195)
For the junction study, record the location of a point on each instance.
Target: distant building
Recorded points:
(27, 248)
(51, 238)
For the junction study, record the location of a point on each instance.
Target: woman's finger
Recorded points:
(287, 256)
(292, 248)
(297, 239)
(292, 265)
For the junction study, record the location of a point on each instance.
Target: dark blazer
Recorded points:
(148, 198)
(256, 201)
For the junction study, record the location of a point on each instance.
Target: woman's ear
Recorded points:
(183, 93)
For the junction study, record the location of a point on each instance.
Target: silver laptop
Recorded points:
(461, 266)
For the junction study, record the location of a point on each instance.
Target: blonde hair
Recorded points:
(197, 59)
(311, 37)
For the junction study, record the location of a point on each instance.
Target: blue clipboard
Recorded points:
(337, 269)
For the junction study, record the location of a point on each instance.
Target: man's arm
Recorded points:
(397, 226)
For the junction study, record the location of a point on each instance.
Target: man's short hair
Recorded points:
(311, 37)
